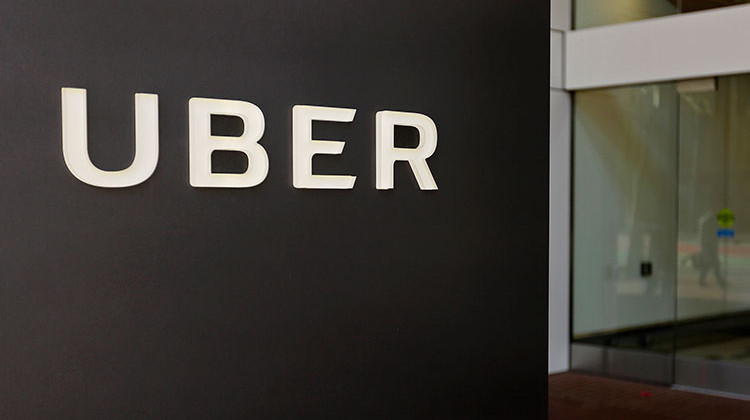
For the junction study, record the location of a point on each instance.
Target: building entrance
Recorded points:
(661, 269)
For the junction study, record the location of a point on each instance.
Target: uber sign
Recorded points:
(230, 209)
(203, 143)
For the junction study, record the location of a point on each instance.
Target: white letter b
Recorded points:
(202, 143)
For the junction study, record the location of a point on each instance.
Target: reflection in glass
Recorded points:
(625, 147)
(661, 228)
(714, 270)
(589, 13)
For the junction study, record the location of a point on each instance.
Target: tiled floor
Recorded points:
(581, 397)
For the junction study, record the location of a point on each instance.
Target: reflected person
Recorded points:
(708, 258)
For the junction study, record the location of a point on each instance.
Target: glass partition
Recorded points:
(713, 291)
(661, 232)
(589, 13)
(625, 188)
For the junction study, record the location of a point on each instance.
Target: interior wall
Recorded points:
(559, 236)
(676, 47)
(559, 208)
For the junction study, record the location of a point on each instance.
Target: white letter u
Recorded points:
(75, 141)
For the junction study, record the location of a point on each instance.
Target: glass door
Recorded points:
(713, 236)
(624, 231)
(661, 233)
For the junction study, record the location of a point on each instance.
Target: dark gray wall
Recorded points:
(163, 300)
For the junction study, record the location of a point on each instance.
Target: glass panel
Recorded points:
(698, 5)
(590, 13)
(661, 232)
(714, 222)
(624, 227)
